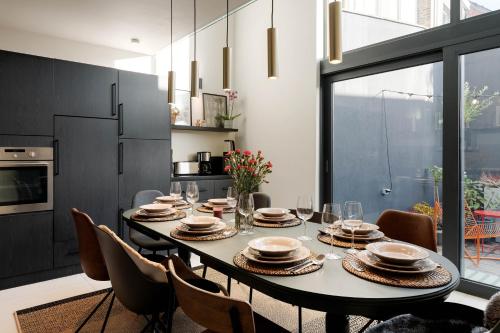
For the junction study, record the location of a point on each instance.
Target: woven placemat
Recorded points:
(186, 206)
(226, 233)
(341, 243)
(204, 209)
(288, 224)
(177, 216)
(276, 270)
(436, 278)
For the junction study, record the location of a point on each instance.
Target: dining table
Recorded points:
(330, 289)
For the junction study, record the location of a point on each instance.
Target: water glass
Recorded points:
(245, 208)
(192, 194)
(232, 198)
(332, 212)
(353, 219)
(305, 212)
(175, 190)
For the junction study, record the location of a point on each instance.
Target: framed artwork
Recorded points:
(213, 105)
(183, 106)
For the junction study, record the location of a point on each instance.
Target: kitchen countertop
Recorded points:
(200, 177)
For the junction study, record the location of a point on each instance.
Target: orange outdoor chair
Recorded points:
(477, 232)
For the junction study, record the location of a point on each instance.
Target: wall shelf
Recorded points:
(205, 129)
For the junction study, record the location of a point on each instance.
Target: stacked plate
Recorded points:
(201, 225)
(217, 202)
(171, 200)
(367, 232)
(397, 258)
(273, 215)
(276, 250)
(156, 210)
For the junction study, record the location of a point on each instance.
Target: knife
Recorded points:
(299, 265)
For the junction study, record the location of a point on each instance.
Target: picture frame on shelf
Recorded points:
(183, 108)
(214, 105)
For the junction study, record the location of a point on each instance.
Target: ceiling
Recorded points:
(112, 22)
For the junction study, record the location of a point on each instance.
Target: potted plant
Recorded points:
(226, 119)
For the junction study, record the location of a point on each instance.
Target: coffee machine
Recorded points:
(204, 162)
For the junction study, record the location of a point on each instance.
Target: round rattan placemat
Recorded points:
(277, 270)
(288, 224)
(341, 243)
(204, 209)
(437, 278)
(177, 216)
(226, 233)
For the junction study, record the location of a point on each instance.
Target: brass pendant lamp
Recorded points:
(171, 73)
(194, 63)
(335, 32)
(226, 56)
(272, 62)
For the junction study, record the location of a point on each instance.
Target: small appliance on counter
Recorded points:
(217, 165)
(205, 167)
(186, 168)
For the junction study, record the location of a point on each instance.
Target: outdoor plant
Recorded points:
(473, 193)
(437, 175)
(423, 208)
(247, 170)
(475, 101)
(232, 96)
(492, 183)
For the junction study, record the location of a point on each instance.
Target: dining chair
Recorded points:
(261, 200)
(408, 227)
(91, 260)
(210, 306)
(144, 241)
(141, 285)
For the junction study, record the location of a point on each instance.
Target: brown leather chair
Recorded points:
(210, 306)
(261, 200)
(91, 259)
(408, 227)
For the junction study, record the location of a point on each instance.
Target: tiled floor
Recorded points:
(52, 290)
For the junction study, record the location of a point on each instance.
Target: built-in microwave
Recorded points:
(26, 179)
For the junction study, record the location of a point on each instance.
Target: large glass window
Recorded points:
(387, 141)
(470, 8)
(481, 165)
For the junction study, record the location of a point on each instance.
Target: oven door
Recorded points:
(26, 186)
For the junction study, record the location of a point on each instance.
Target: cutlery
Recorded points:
(299, 265)
(356, 265)
(319, 261)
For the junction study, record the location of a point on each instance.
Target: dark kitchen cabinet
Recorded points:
(85, 90)
(86, 177)
(205, 187)
(25, 243)
(143, 108)
(26, 94)
(221, 186)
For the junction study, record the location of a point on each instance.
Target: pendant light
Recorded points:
(171, 73)
(335, 32)
(194, 63)
(226, 56)
(272, 63)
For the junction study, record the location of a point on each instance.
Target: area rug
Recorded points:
(65, 315)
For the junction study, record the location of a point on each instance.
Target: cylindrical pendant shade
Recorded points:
(171, 87)
(272, 62)
(226, 70)
(335, 32)
(194, 78)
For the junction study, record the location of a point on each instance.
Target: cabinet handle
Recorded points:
(55, 144)
(120, 158)
(120, 222)
(113, 99)
(120, 119)
(224, 188)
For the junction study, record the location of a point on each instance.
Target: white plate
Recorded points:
(260, 217)
(258, 255)
(397, 253)
(212, 230)
(274, 246)
(211, 205)
(372, 236)
(300, 254)
(218, 201)
(155, 208)
(167, 199)
(365, 228)
(168, 212)
(421, 266)
(273, 212)
(200, 222)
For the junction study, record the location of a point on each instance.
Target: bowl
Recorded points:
(273, 212)
(167, 198)
(155, 208)
(218, 201)
(397, 253)
(274, 246)
(200, 222)
(365, 228)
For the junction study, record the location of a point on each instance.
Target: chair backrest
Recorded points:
(408, 227)
(136, 291)
(469, 218)
(145, 197)
(316, 218)
(261, 200)
(217, 313)
(91, 258)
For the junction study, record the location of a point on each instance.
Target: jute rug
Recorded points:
(65, 316)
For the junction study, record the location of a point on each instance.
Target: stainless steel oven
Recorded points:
(26, 179)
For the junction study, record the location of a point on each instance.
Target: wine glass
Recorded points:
(245, 207)
(305, 212)
(175, 190)
(353, 219)
(232, 198)
(332, 212)
(192, 194)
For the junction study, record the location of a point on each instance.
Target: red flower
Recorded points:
(237, 151)
(229, 153)
(255, 175)
(227, 168)
(247, 153)
(269, 165)
(238, 167)
(252, 161)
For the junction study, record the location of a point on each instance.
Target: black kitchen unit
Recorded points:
(110, 133)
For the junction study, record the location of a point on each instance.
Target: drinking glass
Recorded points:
(232, 198)
(305, 212)
(353, 219)
(192, 194)
(245, 207)
(332, 212)
(175, 190)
